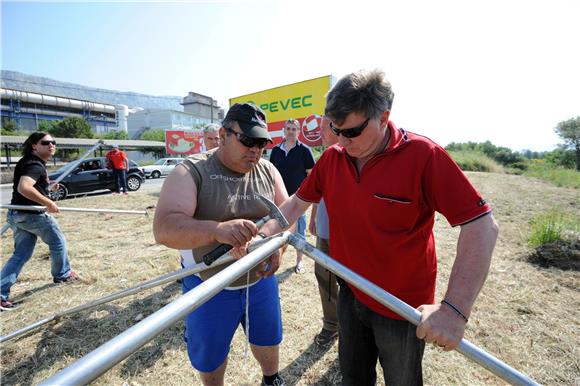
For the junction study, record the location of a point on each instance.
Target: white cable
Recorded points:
(247, 315)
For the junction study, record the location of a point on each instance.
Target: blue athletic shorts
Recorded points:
(209, 329)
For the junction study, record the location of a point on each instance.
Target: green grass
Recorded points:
(552, 226)
(475, 161)
(558, 176)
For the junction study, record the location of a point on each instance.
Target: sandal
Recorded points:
(299, 268)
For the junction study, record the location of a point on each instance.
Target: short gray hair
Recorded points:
(292, 121)
(364, 92)
(211, 128)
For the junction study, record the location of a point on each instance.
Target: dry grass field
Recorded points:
(526, 315)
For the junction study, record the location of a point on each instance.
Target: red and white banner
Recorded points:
(183, 142)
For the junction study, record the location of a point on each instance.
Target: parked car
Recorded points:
(91, 175)
(161, 167)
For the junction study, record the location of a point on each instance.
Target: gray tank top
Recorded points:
(223, 195)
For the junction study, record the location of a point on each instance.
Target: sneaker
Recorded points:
(299, 268)
(125, 193)
(325, 337)
(277, 382)
(6, 305)
(71, 277)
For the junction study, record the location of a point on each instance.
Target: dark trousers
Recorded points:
(120, 177)
(328, 288)
(365, 336)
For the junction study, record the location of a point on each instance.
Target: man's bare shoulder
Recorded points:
(197, 157)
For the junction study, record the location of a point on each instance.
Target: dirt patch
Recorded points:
(562, 254)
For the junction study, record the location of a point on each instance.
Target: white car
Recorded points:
(162, 167)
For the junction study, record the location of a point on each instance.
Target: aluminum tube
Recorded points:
(97, 362)
(466, 348)
(75, 163)
(65, 209)
(4, 228)
(120, 294)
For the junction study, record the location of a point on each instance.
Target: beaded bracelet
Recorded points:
(455, 309)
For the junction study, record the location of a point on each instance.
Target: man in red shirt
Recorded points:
(382, 186)
(120, 164)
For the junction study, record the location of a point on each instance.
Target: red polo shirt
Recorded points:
(117, 159)
(381, 219)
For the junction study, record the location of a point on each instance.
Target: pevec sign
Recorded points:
(304, 101)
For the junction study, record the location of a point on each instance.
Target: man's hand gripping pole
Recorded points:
(274, 214)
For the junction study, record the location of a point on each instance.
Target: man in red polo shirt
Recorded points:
(120, 164)
(382, 186)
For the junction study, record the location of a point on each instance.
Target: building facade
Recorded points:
(28, 109)
(28, 100)
(159, 119)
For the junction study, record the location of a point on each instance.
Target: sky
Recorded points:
(507, 71)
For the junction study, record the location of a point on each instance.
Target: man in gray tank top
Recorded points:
(210, 199)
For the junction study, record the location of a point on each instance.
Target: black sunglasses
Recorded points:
(249, 141)
(46, 143)
(353, 132)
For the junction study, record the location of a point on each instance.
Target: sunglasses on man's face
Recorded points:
(353, 132)
(46, 143)
(249, 141)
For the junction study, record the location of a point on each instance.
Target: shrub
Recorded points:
(114, 134)
(153, 135)
(551, 227)
(475, 161)
(559, 176)
(71, 127)
(8, 127)
(562, 157)
(501, 155)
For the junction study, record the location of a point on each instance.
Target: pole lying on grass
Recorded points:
(74, 164)
(4, 228)
(37, 208)
(97, 362)
(120, 294)
(396, 305)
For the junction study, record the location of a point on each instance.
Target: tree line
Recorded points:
(566, 155)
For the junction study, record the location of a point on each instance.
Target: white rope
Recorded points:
(247, 315)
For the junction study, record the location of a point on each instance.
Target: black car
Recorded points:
(92, 174)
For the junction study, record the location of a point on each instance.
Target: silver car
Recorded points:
(161, 167)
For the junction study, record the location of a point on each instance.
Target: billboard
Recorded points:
(304, 101)
(183, 142)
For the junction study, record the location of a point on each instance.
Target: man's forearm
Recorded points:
(179, 231)
(292, 208)
(474, 251)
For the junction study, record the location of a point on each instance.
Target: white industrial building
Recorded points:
(28, 109)
(159, 119)
(28, 100)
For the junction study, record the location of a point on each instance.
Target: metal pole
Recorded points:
(466, 348)
(64, 209)
(73, 165)
(4, 228)
(120, 294)
(97, 362)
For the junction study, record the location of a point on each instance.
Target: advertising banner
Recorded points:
(304, 101)
(183, 142)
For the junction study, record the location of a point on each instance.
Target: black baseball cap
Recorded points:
(251, 119)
